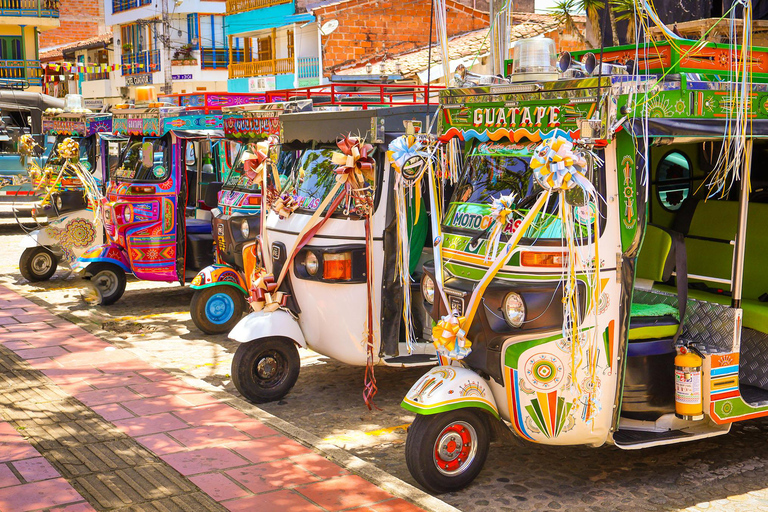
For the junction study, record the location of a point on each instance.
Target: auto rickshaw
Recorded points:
(155, 225)
(221, 289)
(600, 272)
(331, 283)
(67, 203)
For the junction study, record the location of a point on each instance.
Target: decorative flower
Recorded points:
(354, 164)
(27, 145)
(501, 208)
(557, 167)
(449, 338)
(69, 148)
(264, 294)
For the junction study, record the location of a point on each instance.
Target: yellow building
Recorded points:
(20, 23)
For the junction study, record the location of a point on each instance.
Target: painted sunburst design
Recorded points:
(680, 106)
(660, 107)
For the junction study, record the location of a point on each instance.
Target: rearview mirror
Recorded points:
(211, 198)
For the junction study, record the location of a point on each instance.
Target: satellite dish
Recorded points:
(328, 27)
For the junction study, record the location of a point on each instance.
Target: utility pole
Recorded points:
(166, 39)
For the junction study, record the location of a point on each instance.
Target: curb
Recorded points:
(346, 460)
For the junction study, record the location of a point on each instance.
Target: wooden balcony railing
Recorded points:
(261, 68)
(33, 8)
(28, 70)
(235, 6)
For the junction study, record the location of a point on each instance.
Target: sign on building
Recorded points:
(138, 79)
(182, 77)
(261, 83)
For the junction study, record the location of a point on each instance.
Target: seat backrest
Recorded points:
(653, 260)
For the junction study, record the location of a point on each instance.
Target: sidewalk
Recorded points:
(105, 430)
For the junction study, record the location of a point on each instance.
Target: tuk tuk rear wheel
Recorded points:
(265, 370)
(445, 452)
(37, 264)
(216, 310)
(109, 281)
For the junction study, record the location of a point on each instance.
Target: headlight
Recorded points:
(514, 309)
(245, 229)
(311, 263)
(428, 289)
(127, 214)
(59, 203)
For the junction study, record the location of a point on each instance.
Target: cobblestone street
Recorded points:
(69, 425)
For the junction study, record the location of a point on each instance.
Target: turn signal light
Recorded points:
(337, 266)
(255, 200)
(543, 259)
(250, 261)
(142, 190)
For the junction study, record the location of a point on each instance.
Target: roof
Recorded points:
(92, 42)
(465, 45)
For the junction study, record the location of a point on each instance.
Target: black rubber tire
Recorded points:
(31, 257)
(260, 390)
(109, 271)
(198, 311)
(420, 449)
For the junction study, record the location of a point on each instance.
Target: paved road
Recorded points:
(725, 473)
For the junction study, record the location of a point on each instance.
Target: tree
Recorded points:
(592, 8)
(562, 12)
(625, 10)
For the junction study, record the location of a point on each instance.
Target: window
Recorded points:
(290, 44)
(265, 48)
(143, 160)
(10, 48)
(193, 37)
(673, 180)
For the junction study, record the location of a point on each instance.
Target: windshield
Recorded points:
(243, 175)
(87, 152)
(315, 177)
(489, 176)
(143, 159)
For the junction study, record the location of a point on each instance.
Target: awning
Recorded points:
(247, 24)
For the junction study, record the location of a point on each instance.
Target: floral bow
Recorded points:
(557, 167)
(449, 338)
(501, 208)
(27, 145)
(264, 294)
(404, 148)
(284, 205)
(354, 164)
(69, 148)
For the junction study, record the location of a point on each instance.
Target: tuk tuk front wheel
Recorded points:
(265, 370)
(109, 281)
(445, 452)
(216, 310)
(37, 264)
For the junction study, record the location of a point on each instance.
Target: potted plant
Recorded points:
(127, 48)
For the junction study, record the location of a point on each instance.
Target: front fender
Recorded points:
(214, 275)
(264, 325)
(108, 253)
(30, 240)
(445, 388)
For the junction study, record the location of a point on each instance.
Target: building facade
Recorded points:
(21, 22)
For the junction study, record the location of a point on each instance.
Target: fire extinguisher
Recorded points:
(688, 400)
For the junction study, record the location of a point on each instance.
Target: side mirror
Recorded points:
(211, 198)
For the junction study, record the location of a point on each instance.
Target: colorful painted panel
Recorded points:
(202, 122)
(252, 125)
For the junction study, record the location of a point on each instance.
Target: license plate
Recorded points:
(457, 304)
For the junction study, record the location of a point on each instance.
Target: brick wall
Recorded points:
(80, 19)
(371, 28)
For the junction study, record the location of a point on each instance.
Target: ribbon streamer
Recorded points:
(264, 294)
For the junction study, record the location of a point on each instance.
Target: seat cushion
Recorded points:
(652, 261)
(652, 321)
(198, 226)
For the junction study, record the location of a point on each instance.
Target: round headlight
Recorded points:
(59, 202)
(428, 289)
(514, 309)
(126, 214)
(311, 263)
(245, 229)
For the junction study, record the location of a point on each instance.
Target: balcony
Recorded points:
(217, 58)
(124, 5)
(143, 62)
(309, 67)
(30, 8)
(235, 6)
(20, 73)
(261, 68)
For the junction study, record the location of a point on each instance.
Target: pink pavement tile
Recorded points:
(160, 444)
(278, 501)
(272, 476)
(106, 360)
(111, 412)
(208, 435)
(70, 375)
(8, 320)
(146, 425)
(266, 449)
(34, 353)
(218, 486)
(167, 387)
(319, 465)
(16, 345)
(106, 396)
(7, 429)
(15, 447)
(255, 428)
(35, 469)
(203, 460)
(33, 326)
(344, 492)
(44, 364)
(395, 505)
(155, 375)
(199, 398)
(11, 312)
(7, 478)
(212, 414)
(114, 380)
(37, 495)
(156, 405)
(81, 344)
(28, 318)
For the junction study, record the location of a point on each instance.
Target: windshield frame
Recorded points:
(140, 139)
(528, 241)
(91, 151)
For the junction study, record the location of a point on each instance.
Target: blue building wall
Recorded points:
(241, 84)
(266, 17)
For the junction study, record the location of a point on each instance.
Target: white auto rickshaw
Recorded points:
(601, 274)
